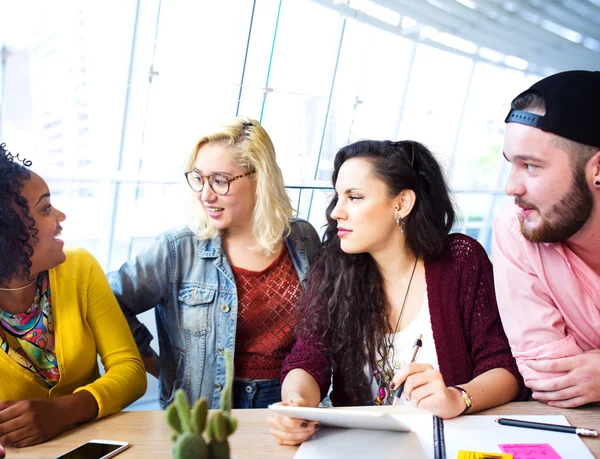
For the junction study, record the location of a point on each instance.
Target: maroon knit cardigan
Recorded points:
(469, 338)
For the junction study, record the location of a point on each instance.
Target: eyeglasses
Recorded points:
(217, 182)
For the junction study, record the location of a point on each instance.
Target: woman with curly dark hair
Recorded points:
(388, 273)
(57, 314)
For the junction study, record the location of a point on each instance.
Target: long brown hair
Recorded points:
(344, 305)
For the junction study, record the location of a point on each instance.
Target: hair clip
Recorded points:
(401, 144)
(14, 158)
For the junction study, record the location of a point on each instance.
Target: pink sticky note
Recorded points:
(530, 451)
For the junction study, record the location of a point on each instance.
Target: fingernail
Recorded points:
(304, 424)
(393, 386)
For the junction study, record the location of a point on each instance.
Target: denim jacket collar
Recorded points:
(296, 244)
(210, 248)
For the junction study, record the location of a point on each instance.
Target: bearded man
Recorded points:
(546, 245)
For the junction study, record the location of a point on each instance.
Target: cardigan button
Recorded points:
(218, 387)
(225, 307)
(220, 351)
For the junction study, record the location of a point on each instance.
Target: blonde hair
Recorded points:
(252, 149)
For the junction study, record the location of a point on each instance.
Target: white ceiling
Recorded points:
(539, 36)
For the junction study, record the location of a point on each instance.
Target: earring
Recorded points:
(597, 183)
(401, 223)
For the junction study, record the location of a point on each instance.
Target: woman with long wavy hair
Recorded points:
(390, 272)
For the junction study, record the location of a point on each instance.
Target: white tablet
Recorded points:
(338, 417)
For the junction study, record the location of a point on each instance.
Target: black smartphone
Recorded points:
(96, 449)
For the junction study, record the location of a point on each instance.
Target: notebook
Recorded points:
(473, 433)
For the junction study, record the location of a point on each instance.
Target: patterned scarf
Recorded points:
(28, 338)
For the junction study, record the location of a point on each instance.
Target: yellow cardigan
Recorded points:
(87, 322)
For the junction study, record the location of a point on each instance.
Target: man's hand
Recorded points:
(425, 388)
(291, 431)
(29, 422)
(580, 383)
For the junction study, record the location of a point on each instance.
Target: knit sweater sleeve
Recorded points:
(489, 345)
(310, 357)
(124, 380)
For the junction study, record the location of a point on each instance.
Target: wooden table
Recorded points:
(149, 434)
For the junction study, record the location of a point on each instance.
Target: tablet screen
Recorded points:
(343, 417)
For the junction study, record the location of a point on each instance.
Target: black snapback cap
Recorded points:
(572, 107)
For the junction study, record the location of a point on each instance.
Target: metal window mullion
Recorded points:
(406, 85)
(262, 110)
(239, 101)
(112, 230)
(331, 88)
(144, 124)
(461, 117)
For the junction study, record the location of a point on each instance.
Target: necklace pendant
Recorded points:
(390, 394)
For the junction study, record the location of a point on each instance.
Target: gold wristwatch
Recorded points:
(467, 398)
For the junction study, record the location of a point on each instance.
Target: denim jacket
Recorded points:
(190, 284)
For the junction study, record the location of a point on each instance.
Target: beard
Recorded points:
(565, 218)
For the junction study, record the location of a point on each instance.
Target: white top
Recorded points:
(402, 350)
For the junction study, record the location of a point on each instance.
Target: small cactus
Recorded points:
(183, 410)
(173, 419)
(199, 415)
(226, 394)
(190, 446)
(218, 446)
(189, 426)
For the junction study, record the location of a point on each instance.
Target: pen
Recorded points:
(416, 347)
(552, 427)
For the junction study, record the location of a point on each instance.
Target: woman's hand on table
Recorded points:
(28, 422)
(291, 431)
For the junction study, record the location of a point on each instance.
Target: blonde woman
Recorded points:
(229, 280)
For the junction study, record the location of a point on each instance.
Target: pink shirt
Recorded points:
(548, 298)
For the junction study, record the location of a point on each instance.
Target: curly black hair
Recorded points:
(17, 228)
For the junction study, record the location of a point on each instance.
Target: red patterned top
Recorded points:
(266, 319)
